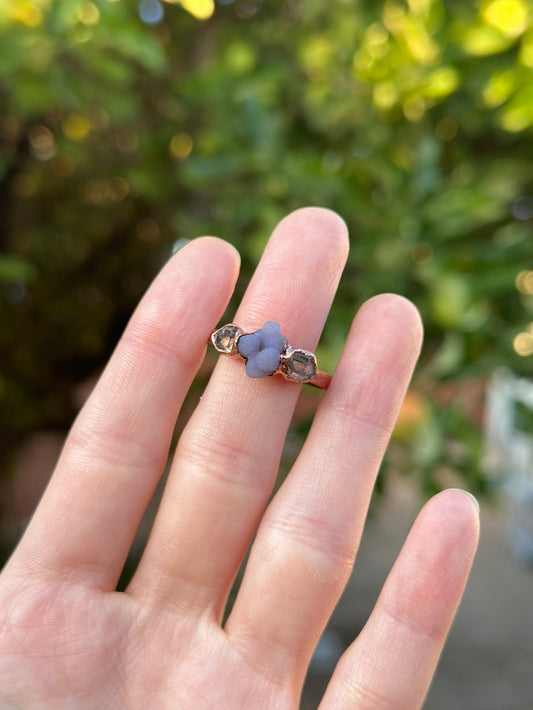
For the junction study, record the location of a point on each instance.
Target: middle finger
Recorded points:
(227, 458)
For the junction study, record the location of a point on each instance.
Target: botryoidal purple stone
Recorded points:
(249, 345)
(262, 350)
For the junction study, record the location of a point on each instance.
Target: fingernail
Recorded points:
(470, 495)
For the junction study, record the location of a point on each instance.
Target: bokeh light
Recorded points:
(523, 208)
(201, 9)
(151, 11)
(42, 143)
(75, 127)
(509, 16)
(524, 282)
(181, 146)
(523, 344)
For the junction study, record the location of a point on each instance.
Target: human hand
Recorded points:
(69, 640)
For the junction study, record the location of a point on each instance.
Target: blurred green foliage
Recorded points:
(127, 126)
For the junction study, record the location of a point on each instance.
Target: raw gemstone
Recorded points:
(299, 366)
(262, 350)
(249, 344)
(263, 364)
(224, 338)
(271, 336)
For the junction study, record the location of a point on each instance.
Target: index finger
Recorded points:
(119, 444)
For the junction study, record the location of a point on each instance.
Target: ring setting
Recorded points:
(267, 352)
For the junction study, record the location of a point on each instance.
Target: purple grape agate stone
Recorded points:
(262, 350)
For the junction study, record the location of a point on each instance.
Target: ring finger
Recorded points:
(308, 538)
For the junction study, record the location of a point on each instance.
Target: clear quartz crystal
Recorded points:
(224, 339)
(299, 365)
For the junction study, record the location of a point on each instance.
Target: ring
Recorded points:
(267, 352)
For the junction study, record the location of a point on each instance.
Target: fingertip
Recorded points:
(399, 309)
(456, 502)
(214, 248)
(323, 215)
(460, 494)
(386, 334)
(326, 223)
(202, 258)
(452, 517)
(462, 507)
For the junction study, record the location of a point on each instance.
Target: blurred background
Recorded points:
(127, 127)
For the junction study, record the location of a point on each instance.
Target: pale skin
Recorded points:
(69, 640)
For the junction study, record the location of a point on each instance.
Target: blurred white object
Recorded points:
(509, 453)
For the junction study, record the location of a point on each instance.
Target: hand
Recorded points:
(69, 640)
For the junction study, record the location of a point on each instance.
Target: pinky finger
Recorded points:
(391, 664)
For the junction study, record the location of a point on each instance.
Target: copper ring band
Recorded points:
(295, 365)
